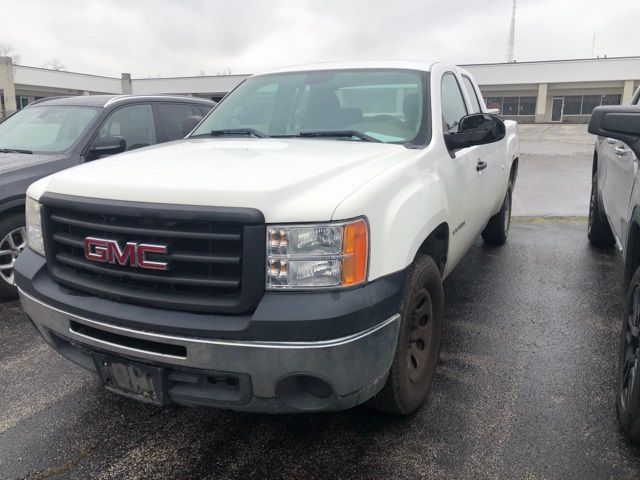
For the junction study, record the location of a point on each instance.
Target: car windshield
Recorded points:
(359, 105)
(45, 129)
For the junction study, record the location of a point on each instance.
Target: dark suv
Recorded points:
(57, 133)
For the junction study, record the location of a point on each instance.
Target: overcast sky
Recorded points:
(186, 37)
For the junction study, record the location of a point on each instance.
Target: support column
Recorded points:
(627, 92)
(126, 84)
(541, 103)
(7, 85)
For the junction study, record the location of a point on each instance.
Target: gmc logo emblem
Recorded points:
(132, 254)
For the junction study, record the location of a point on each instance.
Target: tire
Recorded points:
(418, 347)
(628, 385)
(598, 229)
(497, 230)
(13, 239)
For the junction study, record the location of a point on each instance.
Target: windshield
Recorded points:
(360, 105)
(45, 129)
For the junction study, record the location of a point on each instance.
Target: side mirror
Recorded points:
(190, 123)
(108, 146)
(476, 129)
(618, 122)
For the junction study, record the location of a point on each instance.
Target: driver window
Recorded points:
(134, 123)
(453, 107)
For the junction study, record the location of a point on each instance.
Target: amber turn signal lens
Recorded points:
(355, 251)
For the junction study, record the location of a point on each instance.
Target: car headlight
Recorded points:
(317, 256)
(34, 226)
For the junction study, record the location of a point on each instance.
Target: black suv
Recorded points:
(57, 133)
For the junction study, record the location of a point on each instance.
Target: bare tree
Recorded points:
(6, 50)
(225, 71)
(54, 64)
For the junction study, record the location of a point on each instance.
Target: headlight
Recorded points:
(34, 226)
(317, 256)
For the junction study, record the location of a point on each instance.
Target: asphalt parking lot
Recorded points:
(525, 388)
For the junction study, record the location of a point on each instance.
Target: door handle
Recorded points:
(611, 141)
(621, 151)
(481, 165)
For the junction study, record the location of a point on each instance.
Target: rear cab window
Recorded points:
(473, 96)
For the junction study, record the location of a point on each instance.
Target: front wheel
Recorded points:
(418, 347)
(497, 230)
(13, 240)
(628, 391)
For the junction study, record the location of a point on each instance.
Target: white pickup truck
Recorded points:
(288, 255)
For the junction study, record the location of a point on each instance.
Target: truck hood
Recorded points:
(287, 179)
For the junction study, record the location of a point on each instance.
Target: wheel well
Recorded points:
(436, 246)
(514, 170)
(12, 210)
(632, 260)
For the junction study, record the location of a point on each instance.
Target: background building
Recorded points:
(562, 91)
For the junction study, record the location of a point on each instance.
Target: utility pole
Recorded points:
(593, 46)
(512, 35)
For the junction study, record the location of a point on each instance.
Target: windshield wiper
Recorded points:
(338, 133)
(238, 131)
(14, 150)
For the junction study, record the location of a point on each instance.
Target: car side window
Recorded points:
(133, 123)
(471, 92)
(172, 116)
(453, 106)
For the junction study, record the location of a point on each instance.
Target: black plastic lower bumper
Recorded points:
(280, 316)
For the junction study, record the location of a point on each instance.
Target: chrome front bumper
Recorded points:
(352, 369)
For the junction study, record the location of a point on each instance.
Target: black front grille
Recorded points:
(215, 256)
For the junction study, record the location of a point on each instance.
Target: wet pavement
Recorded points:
(554, 177)
(525, 389)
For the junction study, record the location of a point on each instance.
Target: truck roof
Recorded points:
(106, 100)
(421, 65)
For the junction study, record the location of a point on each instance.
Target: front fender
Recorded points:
(403, 206)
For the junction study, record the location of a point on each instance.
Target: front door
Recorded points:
(556, 109)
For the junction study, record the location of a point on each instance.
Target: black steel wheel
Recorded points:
(418, 347)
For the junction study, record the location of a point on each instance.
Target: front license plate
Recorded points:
(134, 380)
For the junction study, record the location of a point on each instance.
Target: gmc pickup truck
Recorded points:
(614, 219)
(288, 255)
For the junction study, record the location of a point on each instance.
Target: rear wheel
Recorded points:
(497, 230)
(418, 347)
(13, 240)
(628, 392)
(598, 229)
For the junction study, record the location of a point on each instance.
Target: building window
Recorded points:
(512, 106)
(527, 106)
(21, 101)
(611, 99)
(572, 105)
(494, 102)
(584, 104)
